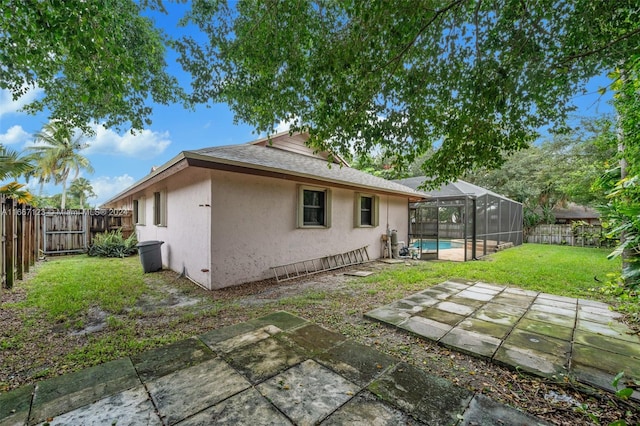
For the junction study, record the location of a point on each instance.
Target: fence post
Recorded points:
(19, 242)
(10, 249)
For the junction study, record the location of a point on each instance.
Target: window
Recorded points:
(314, 207)
(160, 208)
(366, 210)
(138, 211)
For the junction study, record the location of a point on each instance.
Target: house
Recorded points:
(572, 212)
(229, 214)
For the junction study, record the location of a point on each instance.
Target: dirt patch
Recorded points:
(174, 308)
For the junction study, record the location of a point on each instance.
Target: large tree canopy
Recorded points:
(476, 78)
(93, 60)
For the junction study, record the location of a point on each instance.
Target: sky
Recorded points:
(120, 158)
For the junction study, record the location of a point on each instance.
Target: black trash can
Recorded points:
(150, 255)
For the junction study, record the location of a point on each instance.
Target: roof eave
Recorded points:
(199, 160)
(162, 172)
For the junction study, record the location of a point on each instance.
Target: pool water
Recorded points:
(440, 245)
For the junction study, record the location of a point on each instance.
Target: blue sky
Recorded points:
(120, 159)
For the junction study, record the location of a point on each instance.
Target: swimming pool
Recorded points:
(440, 245)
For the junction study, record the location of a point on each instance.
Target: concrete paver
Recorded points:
(130, 407)
(439, 402)
(64, 393)
(308, 392)
(274, 370)
(544, 334)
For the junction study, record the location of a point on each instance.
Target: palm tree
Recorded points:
(82, 189)
(12, 164)
(43, 172)
(58, 151)
(15, 191)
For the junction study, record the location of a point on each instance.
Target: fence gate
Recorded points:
(64, 232)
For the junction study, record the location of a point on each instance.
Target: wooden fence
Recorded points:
(72, 231)
(567, 234)
(28, 234)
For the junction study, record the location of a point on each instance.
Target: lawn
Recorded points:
(76, 311)
(561, 270)
(64, 288)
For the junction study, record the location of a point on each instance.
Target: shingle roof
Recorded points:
(273, 159)
(575, 211)
(457, 188)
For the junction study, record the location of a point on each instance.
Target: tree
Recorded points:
(622, 183)
(12, 164)
(58, 148)
(473, 77)
(15, 191)
(378, 166)
(93, 60)
(564, 168)
(82, 189)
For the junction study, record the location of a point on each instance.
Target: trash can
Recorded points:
(150, 255)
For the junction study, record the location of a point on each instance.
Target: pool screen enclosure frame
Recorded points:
(479, 225)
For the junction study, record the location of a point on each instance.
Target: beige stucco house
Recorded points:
(228, 214)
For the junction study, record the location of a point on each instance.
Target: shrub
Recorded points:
(113, 244)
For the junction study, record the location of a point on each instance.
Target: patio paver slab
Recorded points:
(131, 407)
(308, 392)
(544, 334)
(70, 391)
(265, 358)
(15, 405)
(438, 403)
(426, 327)
(245, 408)
(471, 342)
(366, 410)
(545, 329)
(185, 392)
(167, 359)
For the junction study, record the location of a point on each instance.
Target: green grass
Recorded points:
(66, 287)
(561, 270)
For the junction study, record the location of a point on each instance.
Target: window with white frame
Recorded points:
(139, 211)
(314, 207)
(160, 208)
(366, 210)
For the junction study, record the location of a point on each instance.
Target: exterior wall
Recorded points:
(253, 227)
(186, 234)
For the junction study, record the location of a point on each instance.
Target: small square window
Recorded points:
(365, 210)
(160, 208)
(314, 207)
(139, 211)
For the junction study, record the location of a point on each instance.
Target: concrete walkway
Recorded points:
(278, 370)
(547, 335)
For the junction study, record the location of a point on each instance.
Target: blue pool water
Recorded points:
(441, 245)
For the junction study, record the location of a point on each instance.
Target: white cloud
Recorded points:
(9, 106)
(106, 187)
(283, 126)
(14, 135)
(145, 143)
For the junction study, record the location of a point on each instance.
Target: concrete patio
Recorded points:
(279, 369)
(547, 335)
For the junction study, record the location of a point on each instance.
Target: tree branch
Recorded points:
(476, 22)
(601, 48)
(421, 30)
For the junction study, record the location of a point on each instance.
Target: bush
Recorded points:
(113, 244)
